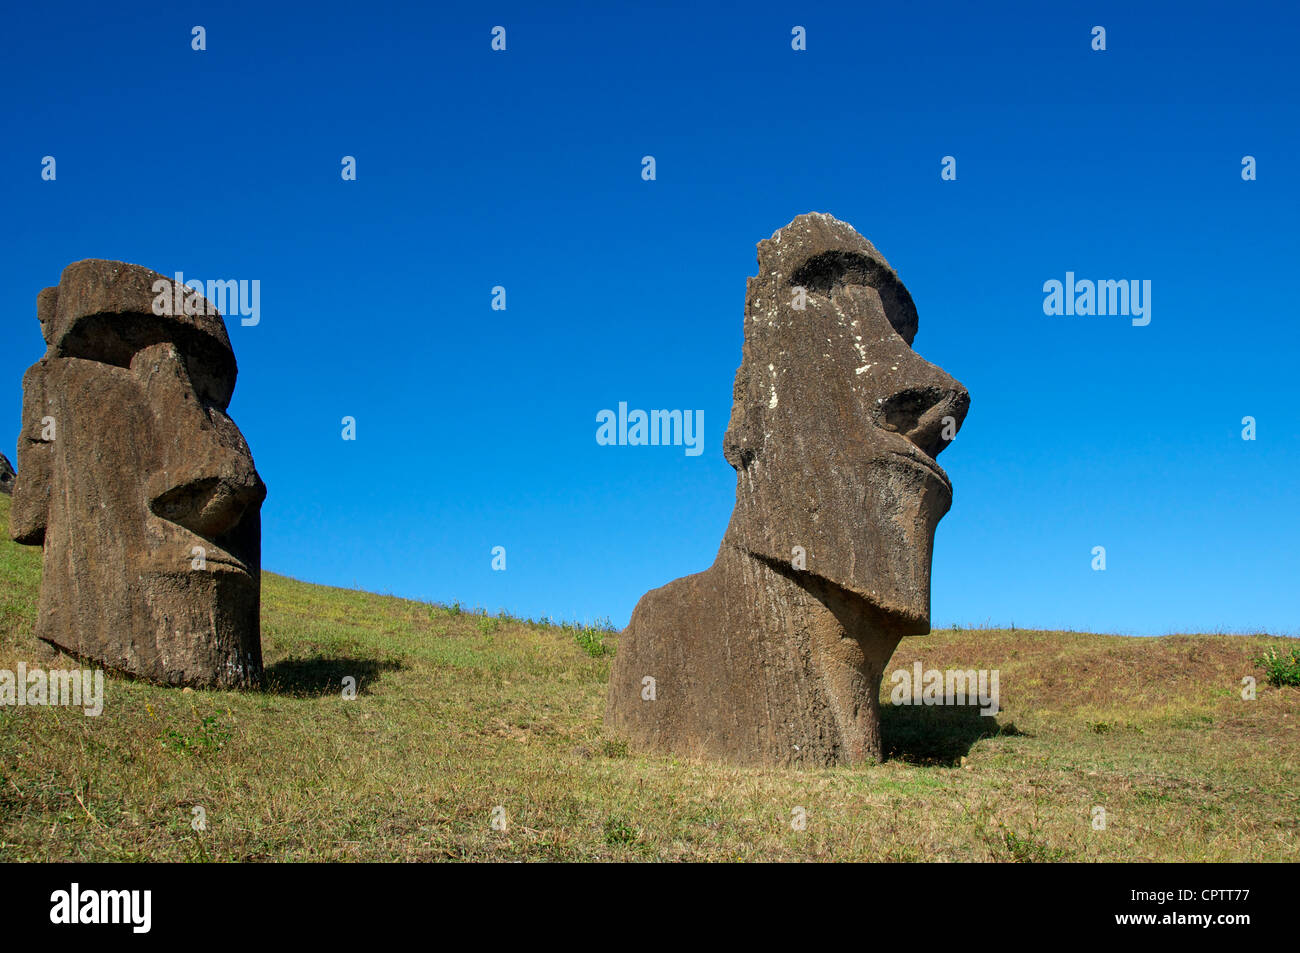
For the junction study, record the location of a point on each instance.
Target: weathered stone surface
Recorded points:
(140, 487)
(6, 475)
(768, 657)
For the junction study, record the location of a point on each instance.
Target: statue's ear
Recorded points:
(36, 444)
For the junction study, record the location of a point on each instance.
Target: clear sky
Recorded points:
(522, 169)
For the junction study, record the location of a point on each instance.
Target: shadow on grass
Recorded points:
(936, 734)
(306, 677)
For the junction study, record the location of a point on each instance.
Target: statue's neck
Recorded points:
(848, 642)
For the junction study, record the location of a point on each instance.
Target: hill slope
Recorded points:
(459, 714)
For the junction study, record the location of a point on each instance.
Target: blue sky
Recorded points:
(476, 428)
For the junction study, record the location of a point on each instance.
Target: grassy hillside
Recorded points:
(459, 713)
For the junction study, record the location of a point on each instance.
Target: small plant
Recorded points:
(618, 832)
(615, 749)
(1280, 669)
(592, 641)
(486, 624)
(1030, 847)
(1101, 727)
(440, 611)
(208, 735)
(592, 637)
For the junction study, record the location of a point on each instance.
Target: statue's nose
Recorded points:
(211, 505)
(928, 410)
(203, 478)
(920, 400)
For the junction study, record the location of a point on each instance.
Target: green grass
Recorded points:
(459, 713)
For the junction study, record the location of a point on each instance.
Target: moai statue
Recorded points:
(6, 475)
(141, 489)
(774, 655)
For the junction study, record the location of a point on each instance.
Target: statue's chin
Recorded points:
(907, 620)
(896, 597)
(195, 600)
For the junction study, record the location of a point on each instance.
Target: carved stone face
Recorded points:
(842, 449)
(141, 487)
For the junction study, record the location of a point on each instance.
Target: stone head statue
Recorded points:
(775, 653)
(836, 421)
(141, 488)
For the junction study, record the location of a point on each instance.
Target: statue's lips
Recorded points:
(229, 563)
(216, 562)
(180, 547)
(927, 463)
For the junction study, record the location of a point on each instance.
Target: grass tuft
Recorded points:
(1280, 669)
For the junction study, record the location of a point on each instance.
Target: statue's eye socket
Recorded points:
(117, 338)
(823, 274)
